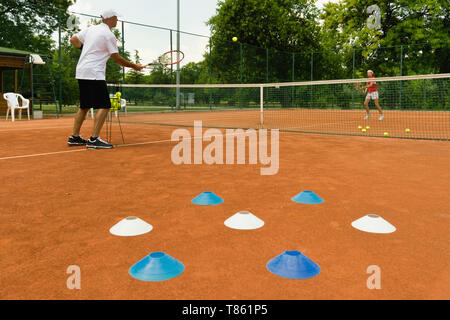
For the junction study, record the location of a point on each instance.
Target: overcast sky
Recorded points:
(152, 42)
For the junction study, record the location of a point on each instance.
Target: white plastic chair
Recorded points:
(13, 103)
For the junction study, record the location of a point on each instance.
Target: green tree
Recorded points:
(159, 75)
(70, 56)
(134, 76)
(283, 25)
(28, 25)
(195, 72)
(421, 26)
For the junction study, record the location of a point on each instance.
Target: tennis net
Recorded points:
(415, 107)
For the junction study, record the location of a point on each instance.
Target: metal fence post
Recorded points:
(123, 50)
(293, 67)
(171, 71)
(240, 71)
(353, 77)
(59, 62)
(353, 65)
(32, 87)
(312, 77)
(293, 79)
(241, 62)
(401, 73)
(210, 73)
(123, 54)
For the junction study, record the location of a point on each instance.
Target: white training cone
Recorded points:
(374, 224)
(131, 226)
(244, 220)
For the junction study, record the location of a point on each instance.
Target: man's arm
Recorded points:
(125, 63)
(76, 42)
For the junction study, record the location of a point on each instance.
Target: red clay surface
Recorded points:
(56, 210)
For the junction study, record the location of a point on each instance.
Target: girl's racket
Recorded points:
(168, 58)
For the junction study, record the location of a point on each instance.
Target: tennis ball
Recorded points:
(407, 130)
(234, 39)
(363, 130)
(359, 127)
(386, 134)
(367, 127)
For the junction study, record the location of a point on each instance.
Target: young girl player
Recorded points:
(372, 94)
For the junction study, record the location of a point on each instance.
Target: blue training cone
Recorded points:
(157, 266)
(207, 198)
(307, 197)
(293, 265)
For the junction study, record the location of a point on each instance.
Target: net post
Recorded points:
(261, 104)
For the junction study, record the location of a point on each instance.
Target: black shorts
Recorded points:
(94, 94)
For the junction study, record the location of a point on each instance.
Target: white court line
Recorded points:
(37, 128)
(85, 149)
(41, 154)
(78, 150)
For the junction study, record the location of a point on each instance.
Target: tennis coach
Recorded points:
(98, 44)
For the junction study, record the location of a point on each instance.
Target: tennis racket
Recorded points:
(168, 58)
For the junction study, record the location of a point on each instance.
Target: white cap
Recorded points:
(109, 14)
(370, 71)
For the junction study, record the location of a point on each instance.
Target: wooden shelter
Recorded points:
(15, 60)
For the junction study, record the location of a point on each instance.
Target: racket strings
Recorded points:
(165, 58)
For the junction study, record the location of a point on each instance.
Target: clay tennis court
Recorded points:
(58, 204)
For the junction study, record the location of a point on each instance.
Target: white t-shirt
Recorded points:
(99, 43)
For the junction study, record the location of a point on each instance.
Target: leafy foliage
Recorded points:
(28, 25)
(284, 26)
(421, 26)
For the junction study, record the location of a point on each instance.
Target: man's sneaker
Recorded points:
(76, 141)
(98, 144)
(381, 117)
(367, 116)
